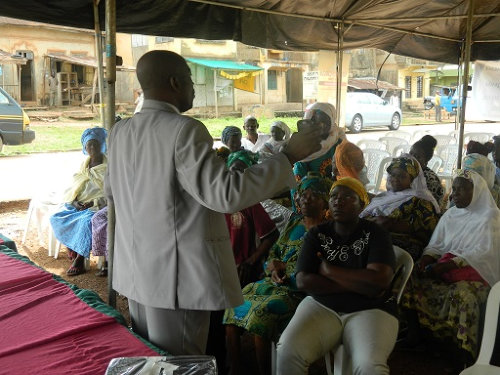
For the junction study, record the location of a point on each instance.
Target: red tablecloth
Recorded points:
(50, 327)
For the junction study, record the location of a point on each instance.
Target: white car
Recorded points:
(364, 110)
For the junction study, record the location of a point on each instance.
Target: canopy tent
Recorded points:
(426, 29)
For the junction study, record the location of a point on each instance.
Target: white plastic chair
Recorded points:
(392, 142)
(373, 159)
(444, 140)
(449, 155)
(401, 149)
(417, 135)
(435, 163)
(478, 137)
(482, 365)
(404, 266)
(40, 209)
(381, 174)
(400, 134)
(370, 143)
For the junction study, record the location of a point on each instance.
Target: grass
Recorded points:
(58, 137)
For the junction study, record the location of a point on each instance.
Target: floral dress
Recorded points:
(449, 310)
(268, 307)
(434, 185)
(422, 217)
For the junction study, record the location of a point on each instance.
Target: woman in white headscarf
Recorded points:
(319, 115)
(459, 265)
(485, 167)
(280, 134)
(407, 209)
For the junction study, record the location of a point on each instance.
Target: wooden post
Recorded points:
(100, 69)
(465, 82)
(94, 81)
(340, 57)
(215, 94)
(109, 122)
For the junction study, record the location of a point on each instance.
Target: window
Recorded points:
(139, 40)
(408, 86)
(3, 99)
(272, 80)
(163, 39)
(420, 86)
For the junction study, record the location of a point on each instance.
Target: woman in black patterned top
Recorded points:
(423, 150)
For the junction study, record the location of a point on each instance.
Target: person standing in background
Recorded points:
(53, 82)
(437, 105)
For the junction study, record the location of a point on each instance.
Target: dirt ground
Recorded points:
(428, 360)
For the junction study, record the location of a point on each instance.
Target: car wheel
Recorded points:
(395, 121)
(356, 124)
(428, 105)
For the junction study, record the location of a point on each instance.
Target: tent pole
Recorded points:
(465, 82)
(340, 58)
(109, 122)
(100, 70)
(215, 94)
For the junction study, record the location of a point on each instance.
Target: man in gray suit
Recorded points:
(173, 258)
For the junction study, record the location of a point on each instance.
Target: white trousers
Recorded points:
(179, 332)
(368, 336)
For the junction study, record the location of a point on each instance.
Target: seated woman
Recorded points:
(407, 209)
(477, 160)
(99, 226)
(251, 230)
(271, 302)
(451, 281)
(280, 134)
(346, 266)
(423, 150)
(320, 115)
(349, 161)
(72, 225)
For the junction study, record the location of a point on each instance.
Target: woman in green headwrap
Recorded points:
(271, 302)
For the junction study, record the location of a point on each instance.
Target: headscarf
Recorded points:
(471, 232)
(474, 147)
(97, 133)
(335, 132)
(355, 185)
(482, 165)
(228, 132)
(282, 126)
(349, 160)
(318, 184)
(247, 157)
(386, 202)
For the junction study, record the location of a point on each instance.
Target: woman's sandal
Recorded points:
(72, 254)
(103, 272)
(74, 271)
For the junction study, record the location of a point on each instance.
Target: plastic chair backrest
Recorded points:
(449, 155)
(373, 158)
(370, 143)
(404, 266)
(400, 134)
(381, 173)
(392, 142)
(478, 137)
(435, 163)
(444, 140)
(482, 365)
(401, 149)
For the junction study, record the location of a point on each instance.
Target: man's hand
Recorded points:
(303, 144)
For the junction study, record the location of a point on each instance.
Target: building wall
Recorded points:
(54, 39)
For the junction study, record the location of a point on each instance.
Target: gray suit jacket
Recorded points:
(172, 247)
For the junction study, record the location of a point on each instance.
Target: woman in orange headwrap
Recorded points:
(349, 162)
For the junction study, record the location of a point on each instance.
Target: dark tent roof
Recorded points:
(426, 29)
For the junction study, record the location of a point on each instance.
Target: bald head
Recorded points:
(165, 76)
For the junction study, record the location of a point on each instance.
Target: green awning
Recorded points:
(225, 64)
